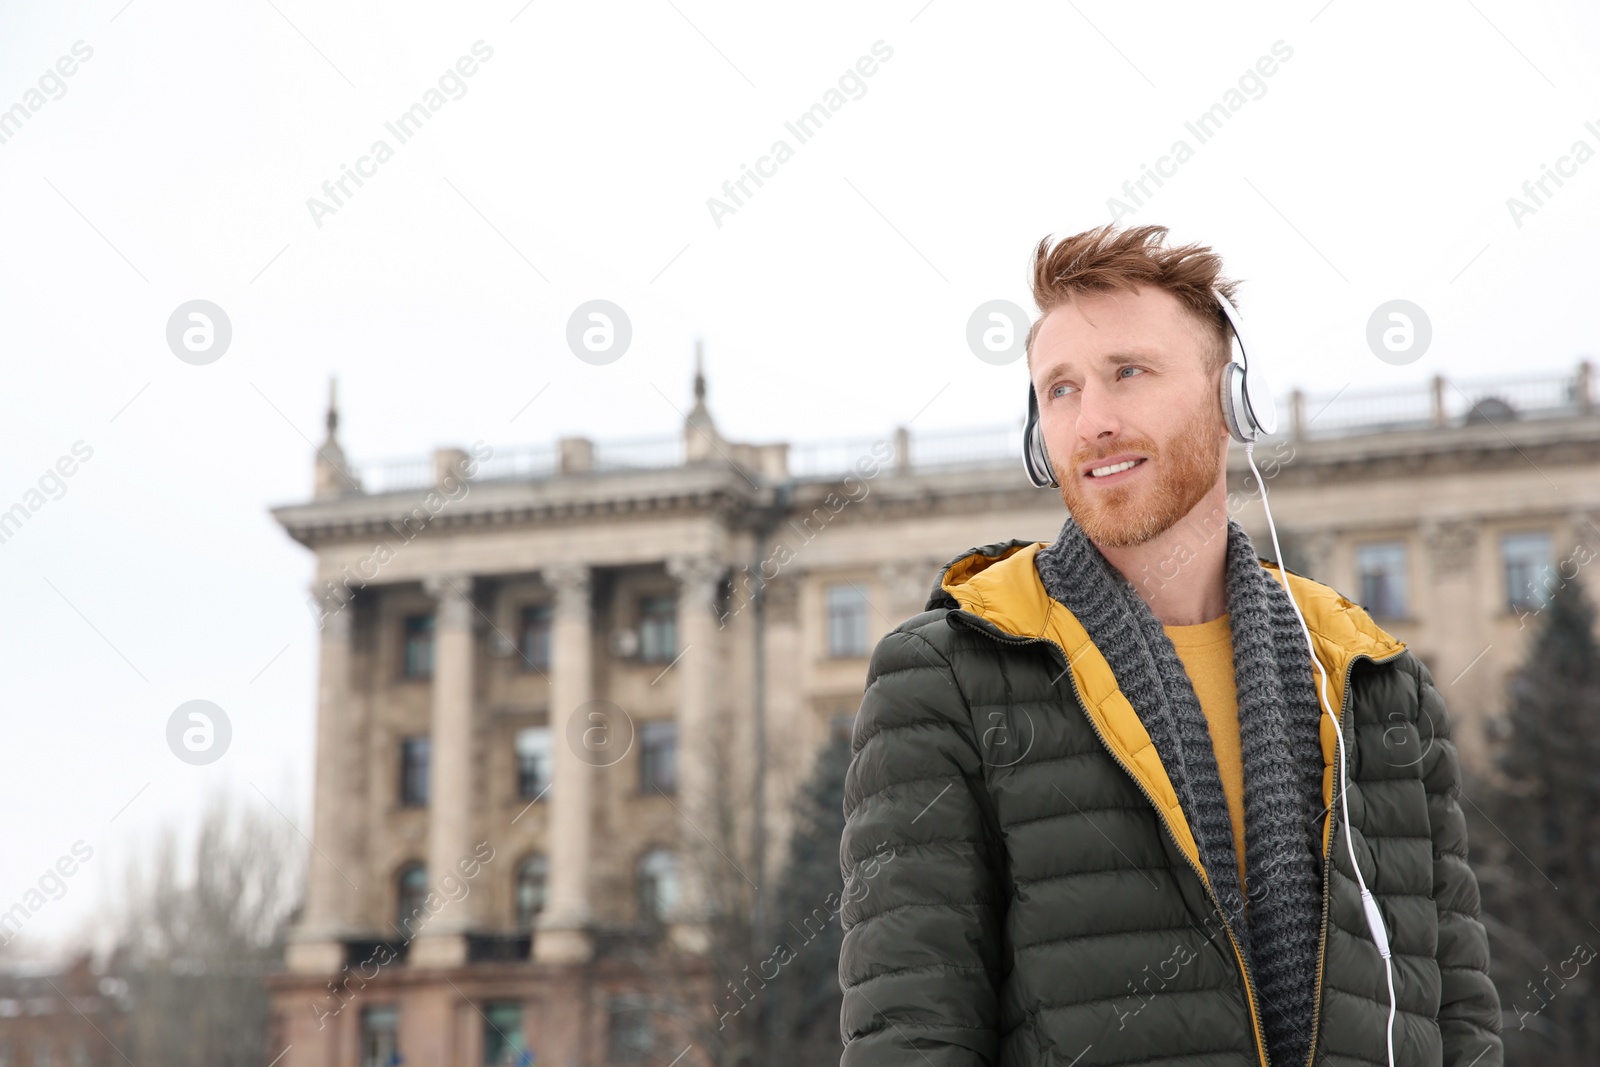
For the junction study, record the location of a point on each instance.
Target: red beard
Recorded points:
(1184, 469)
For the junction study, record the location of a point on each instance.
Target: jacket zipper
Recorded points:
(1244, 967)
(1327, 855)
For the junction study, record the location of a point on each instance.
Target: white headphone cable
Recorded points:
(1369, 905)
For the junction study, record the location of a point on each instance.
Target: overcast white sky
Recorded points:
(176, 161)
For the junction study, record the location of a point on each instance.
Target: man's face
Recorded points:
(1129, 411)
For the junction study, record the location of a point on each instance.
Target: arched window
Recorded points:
(411, 888)
(658, 885)
(532, 875)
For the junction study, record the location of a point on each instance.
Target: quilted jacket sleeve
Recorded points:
(1469, 1006)
(923, 904)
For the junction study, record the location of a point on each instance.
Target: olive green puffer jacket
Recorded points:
(1022, 887)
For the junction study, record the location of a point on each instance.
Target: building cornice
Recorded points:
(739, 498)
(1426, 452)
(688, 490)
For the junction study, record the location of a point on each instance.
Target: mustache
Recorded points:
(1143, 445)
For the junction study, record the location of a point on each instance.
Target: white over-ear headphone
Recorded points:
(1250, 414)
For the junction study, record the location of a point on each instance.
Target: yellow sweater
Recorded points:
(1207, 654)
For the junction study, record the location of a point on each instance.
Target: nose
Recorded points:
(1097, 414)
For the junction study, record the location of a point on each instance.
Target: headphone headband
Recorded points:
(1247, 405)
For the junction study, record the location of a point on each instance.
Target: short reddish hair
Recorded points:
(1105, 258)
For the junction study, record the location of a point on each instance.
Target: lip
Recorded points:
(1113, 479)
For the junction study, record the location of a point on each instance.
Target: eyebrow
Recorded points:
(1144, 355)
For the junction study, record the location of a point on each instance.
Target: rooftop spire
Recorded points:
(699, 370)
(700, 438)
(333, 408)
(332, 475)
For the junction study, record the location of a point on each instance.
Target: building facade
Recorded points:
(561, 687)
(70, 1016)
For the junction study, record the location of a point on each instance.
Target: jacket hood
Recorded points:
(1000, 585)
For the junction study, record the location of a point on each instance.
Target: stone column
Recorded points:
(563, 930)
(709, 760)
(908, 582)
(316, 944)
(451, 774)
(1451, 545)
(1457, 633)
(791, 734)
(1585, 531)
(1575, 560)
(1316, 546)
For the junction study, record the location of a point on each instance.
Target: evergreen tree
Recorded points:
(1536, 843)
(803, 1023)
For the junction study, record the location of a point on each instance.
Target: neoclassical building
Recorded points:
(550, 676)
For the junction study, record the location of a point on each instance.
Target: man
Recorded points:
(1103, 770)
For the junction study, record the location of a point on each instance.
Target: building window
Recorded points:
(502, 1036)
(380, 1037)
(411, 890)
(533, 876)
(41, 1056)
(414, 771)
(658, 885)
(847, 620)
(78, 1054)
(1382, 568)
(1527, 564)
(658, 757)
(630, 1033)
(533, 761)
(658, 628)
(534, 642)
(418, 653)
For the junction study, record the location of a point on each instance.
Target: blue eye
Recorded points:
(1124, 370)
(1055, 391)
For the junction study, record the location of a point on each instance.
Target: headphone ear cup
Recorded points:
(1263, 412)
(1035, 460)
(1042, 459)
(1233, 417)
(1247, 405)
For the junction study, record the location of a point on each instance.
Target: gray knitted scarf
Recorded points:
(1281, 752)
